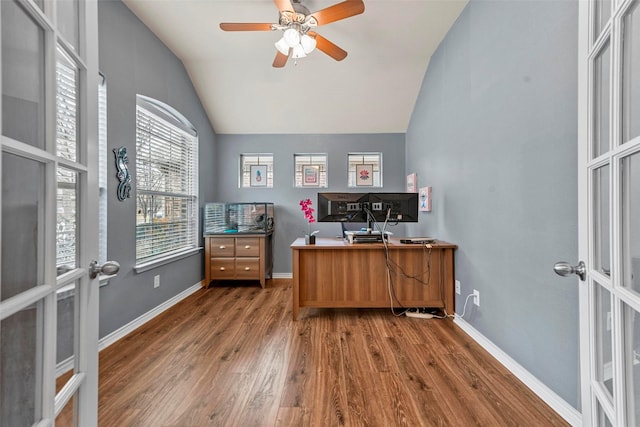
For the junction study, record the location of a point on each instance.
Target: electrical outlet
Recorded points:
(458, 287)
(156, 281)
(476, 297)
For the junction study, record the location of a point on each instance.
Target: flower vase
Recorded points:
(309, 239)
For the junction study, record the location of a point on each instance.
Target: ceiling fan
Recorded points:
(297, 23)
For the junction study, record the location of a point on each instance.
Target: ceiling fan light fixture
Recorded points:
(292, 37)
(298, 52)
(282, 46)
(308, 43)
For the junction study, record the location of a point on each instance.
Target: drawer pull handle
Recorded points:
(221, 268)
(247, 268)
(223, 247)
(247, 246)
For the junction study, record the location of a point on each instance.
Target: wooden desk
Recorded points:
(334, 274)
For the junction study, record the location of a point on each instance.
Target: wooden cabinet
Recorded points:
(239, 257)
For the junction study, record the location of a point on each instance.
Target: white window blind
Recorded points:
(166, 186)
(66, 147)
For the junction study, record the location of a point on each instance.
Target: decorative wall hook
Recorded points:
(124, 186)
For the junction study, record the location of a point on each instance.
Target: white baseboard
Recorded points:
(282, 276)
(114, 336)
(565, 410)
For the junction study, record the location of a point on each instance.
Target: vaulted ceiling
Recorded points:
(373, 90)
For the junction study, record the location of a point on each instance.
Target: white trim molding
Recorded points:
(558, 404)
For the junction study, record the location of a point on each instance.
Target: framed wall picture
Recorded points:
(258, 176)
(425, 199)
(311, 175)
(412, 183)
(364, 175)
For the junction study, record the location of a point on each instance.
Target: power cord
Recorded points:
(395, 268)
(464, 308)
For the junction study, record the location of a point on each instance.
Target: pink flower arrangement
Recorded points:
(305, 206)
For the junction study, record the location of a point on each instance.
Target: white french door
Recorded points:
(609, 205)
(48, 302)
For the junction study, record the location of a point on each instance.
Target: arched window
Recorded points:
(166, 182)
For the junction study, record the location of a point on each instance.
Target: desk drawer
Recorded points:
(248, 268)
(222, 268)
(248, 247)
(222, 246)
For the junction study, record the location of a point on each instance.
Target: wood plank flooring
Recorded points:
(232, 356)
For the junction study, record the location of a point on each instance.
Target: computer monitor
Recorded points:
(341, 207)
(396, 207)
(367, 207)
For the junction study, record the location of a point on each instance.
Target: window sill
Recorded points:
(146, 266)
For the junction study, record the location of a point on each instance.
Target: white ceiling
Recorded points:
(373, 90)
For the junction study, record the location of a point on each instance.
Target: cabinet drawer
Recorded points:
(247, 268)
(248, 247)
(222, 246)
(222, 268)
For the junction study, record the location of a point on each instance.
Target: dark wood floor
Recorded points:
(232, 356)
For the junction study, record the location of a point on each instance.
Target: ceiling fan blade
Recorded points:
(328, 47)
(284, 5)
(280, 60)
(338, 11)
(239, 26)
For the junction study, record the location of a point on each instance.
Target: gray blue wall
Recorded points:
(494, 132)
(290, 223)
(134, 61)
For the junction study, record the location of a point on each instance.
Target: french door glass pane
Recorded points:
(66, 107)
(601, 14)
(68, 22)
(601, 86)
(23, 87)
(66, 221)
(632, 363)
(604, 358)
(602, 260)
(66, 323)
(18, 367)
(630, 72)
(22, 203)
(630, 198)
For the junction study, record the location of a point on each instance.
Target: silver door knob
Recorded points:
(566, 269)
(108, 268)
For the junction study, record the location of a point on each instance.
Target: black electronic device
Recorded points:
(394, 207)
(418, 240)
(341, 207)
(368, 207)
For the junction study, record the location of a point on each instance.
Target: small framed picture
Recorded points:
(364, 175)
(258, 176)
(425, 199)
(311, 175)
(412, 183)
